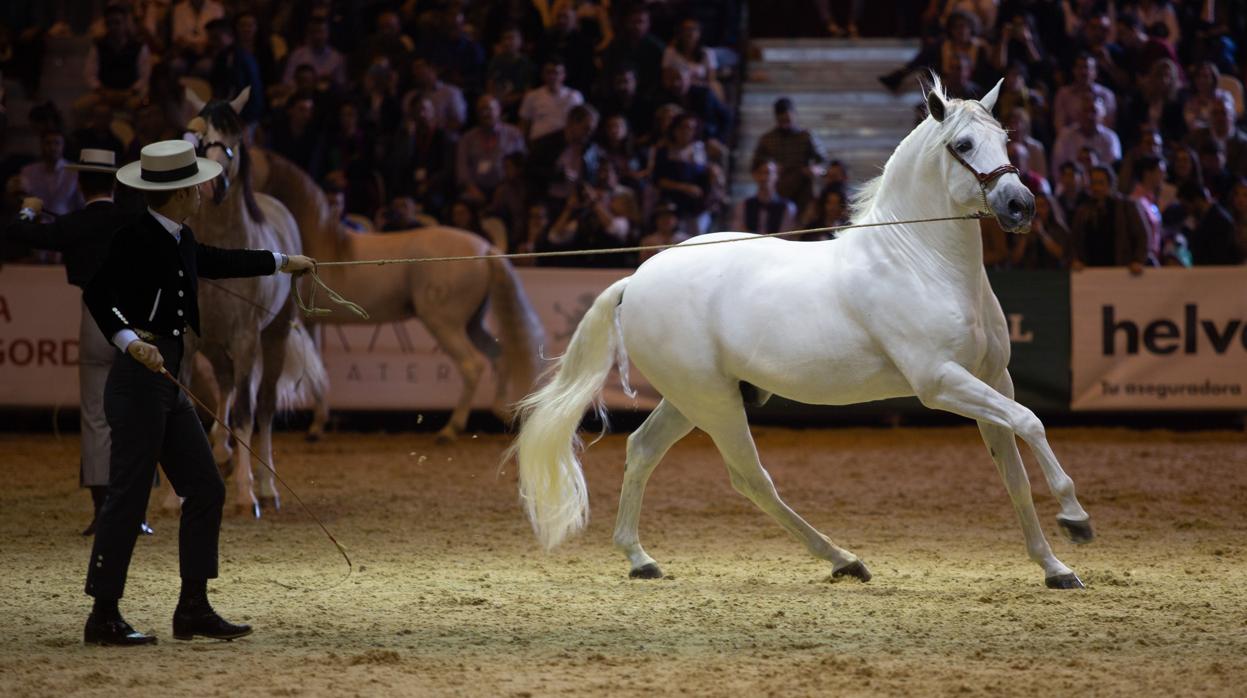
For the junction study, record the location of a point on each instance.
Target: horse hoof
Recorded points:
(313, 436)
(1079, 532)
(646, 571)
(1064, 581)
(857, 569)
(446, 436)
(272, 503)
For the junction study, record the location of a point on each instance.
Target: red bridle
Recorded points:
(984, 178)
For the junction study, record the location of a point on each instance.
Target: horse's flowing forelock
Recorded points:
(929, 137)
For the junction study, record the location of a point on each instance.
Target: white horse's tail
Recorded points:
(303, 378)
(552, 484)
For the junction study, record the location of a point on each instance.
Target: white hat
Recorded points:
(94, 160)
(168, 165)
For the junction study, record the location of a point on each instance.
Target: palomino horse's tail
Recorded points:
(552, 485)
(520, 331)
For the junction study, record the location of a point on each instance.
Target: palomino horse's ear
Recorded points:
(989, 99)
(935, 105)
(194, 100)
(241, 100)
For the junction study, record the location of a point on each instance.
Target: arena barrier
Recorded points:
(1101, 339)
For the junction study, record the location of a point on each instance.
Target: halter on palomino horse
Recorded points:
(449, 298)
(261, 358)
(877, 313)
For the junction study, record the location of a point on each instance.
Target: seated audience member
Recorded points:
(536, 227)
(715, 117)
(388, 45)
(1222, 129)
(510, 199)
(1090, 133)
(544, 109)
(350, 149)
(1157, 101)
(449, 108)
(1217, 178)
(455, 55)
(622, 99)
(956, 76)
(960, 36)
(796, 150)
(478, 161)
(1067, 106)
(233, 70)
(297, 137)
(118, 66)
(48, 178)
(1148, 145)
(259, 44)
(326, 61)
(421, 157)
(1139, 51)
(1214, 238)
(592, 218)
(96, 133)
(766, 211)
(1149, 178)
(686, 50)
(635, 45)
(684, 174)
(1019, 155)
(1094, 39)
(510, 71)
(564, 38)
(1044, 246)
(1204, 93)
(1108, 229)
(399, 216)
(1017, 122)
(1020, 50)
(189, 33)
(560, 160)
(380, 110)
(463, 216)
(668, 229)
(619, 147)
(334, 187)
(830, 210)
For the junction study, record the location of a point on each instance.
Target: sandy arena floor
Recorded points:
(451, 596)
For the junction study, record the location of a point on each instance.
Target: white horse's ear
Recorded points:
(241, 100)
(989, 99)
(194, 100)
(935, 105)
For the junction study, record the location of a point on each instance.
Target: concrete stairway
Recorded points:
(833, 83)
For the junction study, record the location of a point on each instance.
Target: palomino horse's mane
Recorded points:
(932, 136)
(221, 116)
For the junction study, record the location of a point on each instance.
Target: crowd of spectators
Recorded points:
(539, 124)
(590, 124)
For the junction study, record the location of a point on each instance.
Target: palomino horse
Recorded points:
(450, 298)
(261, 358)
(881, 312)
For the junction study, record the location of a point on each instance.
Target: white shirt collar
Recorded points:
(174, 228)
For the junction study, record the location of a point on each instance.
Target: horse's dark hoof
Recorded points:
(857, 569)
(646, 571)
(271, 503)
(313, 437)
(1078, 532)
(1064, 581)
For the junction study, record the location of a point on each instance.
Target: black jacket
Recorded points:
(83, 237)
(150, 282)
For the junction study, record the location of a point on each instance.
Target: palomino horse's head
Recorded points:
(976, 163)
(220, 137)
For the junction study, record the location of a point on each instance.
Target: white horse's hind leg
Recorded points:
(955, 390)
(731, 435)
(646, 448)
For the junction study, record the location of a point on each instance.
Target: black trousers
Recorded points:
(152, 420)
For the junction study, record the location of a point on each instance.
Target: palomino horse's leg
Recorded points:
(274, 354)
(452, 337)
(959, 392)
(646, 447)
(731, 435)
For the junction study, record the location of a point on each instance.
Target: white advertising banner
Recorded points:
(1167, 339)
(39, 314)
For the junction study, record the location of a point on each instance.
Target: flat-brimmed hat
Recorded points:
(94, 160)
(168, 165)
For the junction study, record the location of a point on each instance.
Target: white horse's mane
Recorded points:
(932, 136)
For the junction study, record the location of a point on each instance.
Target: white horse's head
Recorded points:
(976, 163)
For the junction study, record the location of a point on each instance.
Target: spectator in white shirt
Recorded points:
(544, 109)
(449, 107)
(1090, 133)
(1068, 99)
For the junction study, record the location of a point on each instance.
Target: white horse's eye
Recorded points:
(965, 147)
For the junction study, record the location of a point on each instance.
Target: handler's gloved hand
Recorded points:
(296, 263)
(146, 354)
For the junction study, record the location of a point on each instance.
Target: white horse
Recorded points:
(877, 313)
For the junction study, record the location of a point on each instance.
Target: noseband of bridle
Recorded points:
(984, 179)
(219, 194)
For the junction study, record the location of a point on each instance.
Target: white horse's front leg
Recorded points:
(952, 388)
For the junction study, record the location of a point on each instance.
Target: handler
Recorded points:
(83, 238)
(145, 298)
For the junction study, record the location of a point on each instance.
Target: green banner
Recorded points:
(1036, 306)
